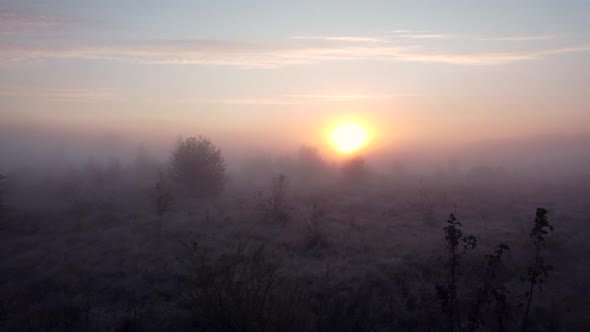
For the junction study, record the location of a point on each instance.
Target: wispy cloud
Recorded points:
(410, 34)
(491, 58)
(296, 99)
(518, 38)
(400, 31)
(351, 96)
(63, 94)
(12, 22)
(266, 55)
(428, 36)
(352, 39)
(203, 52)
(239, 101)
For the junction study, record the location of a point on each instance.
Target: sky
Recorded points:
(279, 74)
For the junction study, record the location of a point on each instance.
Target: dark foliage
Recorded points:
(539, 271)
(491, 292)
(449, 293)
(199, 167)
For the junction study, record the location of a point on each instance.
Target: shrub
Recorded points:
(198, 165)
(539, 271)
(276, 208)
(491, 291)
(316, 238)
(449, 294)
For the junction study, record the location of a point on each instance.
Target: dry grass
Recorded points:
(382, 267)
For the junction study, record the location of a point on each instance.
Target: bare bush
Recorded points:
(276, 207)
(199, 167)
(315, 236)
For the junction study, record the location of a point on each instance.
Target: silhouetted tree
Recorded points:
(354, 171)
(198, 165)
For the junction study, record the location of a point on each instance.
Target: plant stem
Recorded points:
(531, 290)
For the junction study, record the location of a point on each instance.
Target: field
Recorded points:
(84, 250)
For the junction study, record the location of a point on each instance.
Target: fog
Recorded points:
(541, 156)
(294, 166)
(101, 230)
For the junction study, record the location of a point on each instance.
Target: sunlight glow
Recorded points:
(349, 137)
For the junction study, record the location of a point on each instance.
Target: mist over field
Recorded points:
(312, 166)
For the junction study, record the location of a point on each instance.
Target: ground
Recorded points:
(93, 257)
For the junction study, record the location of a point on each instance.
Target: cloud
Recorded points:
(271, 55)
(400, 31)
(428, 36)
(416, 34)
(12, 22)
(352, 96)
(239, 101)
(518, 38)
(296, 99)
(491, 58)
(82, 94)
(352, 39)
(201, 52)
(63, 94)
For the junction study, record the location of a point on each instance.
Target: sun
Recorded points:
(349, 137)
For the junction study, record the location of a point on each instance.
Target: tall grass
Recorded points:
(240, 291)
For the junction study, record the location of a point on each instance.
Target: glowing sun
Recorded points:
(349, 137)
